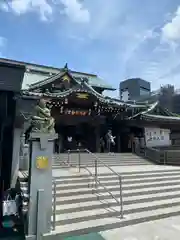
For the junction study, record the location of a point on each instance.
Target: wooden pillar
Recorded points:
(118, 142)
(118, 136)
(97, 135)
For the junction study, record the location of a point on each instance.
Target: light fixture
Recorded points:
(95, 104)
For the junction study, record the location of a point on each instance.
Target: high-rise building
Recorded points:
(133, 89)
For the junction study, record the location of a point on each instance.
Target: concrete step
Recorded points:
(112, 178)
(107, 203)
(105, 161)
(102, 224)
(131, 186)
(75, 175)
(100, 165)
(106, 196)
(105, 158)
(95, 214)
(149, 193)
(114, 182)
(94, 155)
(110, 159)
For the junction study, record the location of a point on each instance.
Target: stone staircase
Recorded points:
(87, 159)
(150, 192)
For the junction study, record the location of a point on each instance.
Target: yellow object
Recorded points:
(65, 78)
(82, 95)
(42, 162)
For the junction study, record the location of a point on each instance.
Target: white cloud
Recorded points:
(171, 30)
(4, 6)
(42, 7)
(75, 11)
(117, 40)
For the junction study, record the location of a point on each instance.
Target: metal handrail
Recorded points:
(54, 206)
(86, 150)
(97, 159)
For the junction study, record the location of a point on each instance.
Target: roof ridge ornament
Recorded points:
(65, 68)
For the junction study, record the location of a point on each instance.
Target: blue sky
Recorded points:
(115, 39)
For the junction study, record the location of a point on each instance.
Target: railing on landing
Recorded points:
(95, 176)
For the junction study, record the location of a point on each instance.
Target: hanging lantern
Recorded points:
(95, 104)
(66, 101)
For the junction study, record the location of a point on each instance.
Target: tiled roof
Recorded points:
(148, 109)
(42, 73)
(152, 117)
(87, 88)
(46, 81)
(99, 96)
(148, 115)
(92, 80)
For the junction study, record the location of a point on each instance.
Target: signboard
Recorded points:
(42, 162)
(76, 112)
(155, 137)
(82, 95)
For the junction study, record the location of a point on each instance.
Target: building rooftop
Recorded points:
(36, 72)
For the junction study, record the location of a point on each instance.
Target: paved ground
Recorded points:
(91, 236)
(166, 229)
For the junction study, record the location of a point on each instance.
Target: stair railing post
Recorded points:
(120, 197)
(68, 158)
(54, 205)
(96, 173)
(79, 160)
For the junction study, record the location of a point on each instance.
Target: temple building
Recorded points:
(83, 115)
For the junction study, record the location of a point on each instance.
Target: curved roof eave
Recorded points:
(151, 107)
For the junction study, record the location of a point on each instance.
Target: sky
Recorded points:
(116, 39)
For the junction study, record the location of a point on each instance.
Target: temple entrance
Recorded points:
(78, 136)
(129, 136)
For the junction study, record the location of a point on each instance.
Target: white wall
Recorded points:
(155, 137)
(125, 95)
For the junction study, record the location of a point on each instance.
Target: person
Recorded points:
(79, 145)
(102, 144)
(110, 140)
(69, 142)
